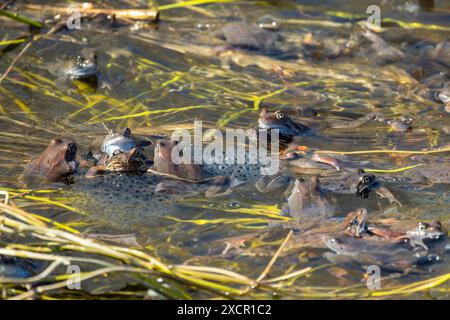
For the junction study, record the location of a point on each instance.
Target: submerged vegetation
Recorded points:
(160, 70)
(59, 245)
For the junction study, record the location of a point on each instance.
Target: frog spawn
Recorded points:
(124, 200)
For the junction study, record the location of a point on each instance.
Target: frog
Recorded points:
(120, 151)
(56, 164)
(425, 174)
(378, 49)
(387, 254)
(83, 69)
(126, 161)
(121, 141)
(218, 175)
(311, 232)
(442, 95)
(85, 66)
(19, 268)
(418, 234)
(242, 35)
(442, 52)
(308, 201)
(334, 176)
(163, 163)
(401, 124)
(280, 121)
(356, 182)
(292, 124)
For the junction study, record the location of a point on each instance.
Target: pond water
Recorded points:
(159, 77)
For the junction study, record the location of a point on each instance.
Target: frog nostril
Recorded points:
(72, 147)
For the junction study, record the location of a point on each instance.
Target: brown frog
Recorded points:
(120, 161)
(291, 123)
(353, 225)
(387, 254)
(279, 120)
(426, 174)
(416, 233)
(308, 201)
(120, 151)
(163, 163)
(243, 35)
(56, 163)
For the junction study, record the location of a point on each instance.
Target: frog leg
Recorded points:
(174, 187)
(95, 171)
(326, 159)
(268, 184)
(427, 185)
(417, 242)
(221, 186)
(384, 192)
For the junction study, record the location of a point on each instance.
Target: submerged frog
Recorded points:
(389, 255)
(289, 124)
(418, 234)
(311, 232)
(83, 67)
(378, 50)
(401, 124)
(308, 201)
(82, 71)
(56, 163)
(278, 120)
(242, 35)
(426, 174)
(359, 183)
(16, 268)
(443, 95)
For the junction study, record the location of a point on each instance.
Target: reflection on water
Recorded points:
(193, 65)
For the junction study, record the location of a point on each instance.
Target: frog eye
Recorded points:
(127, 131)
(436, 225)
(56, 141)
(334, 241)
(279, 115)
(116, 152)
(422, 226)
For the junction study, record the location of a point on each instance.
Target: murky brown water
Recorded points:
(165, 76)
